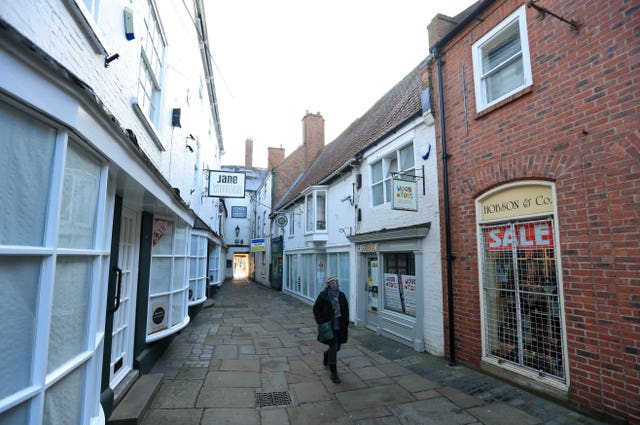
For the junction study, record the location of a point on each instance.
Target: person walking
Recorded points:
(331, 311)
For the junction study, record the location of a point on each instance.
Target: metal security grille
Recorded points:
(521, 299)
(276, 398)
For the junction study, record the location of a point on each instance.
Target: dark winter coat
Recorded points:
(323, 312)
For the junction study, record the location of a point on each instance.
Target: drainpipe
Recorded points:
(447, 219)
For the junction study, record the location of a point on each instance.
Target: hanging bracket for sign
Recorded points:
(410, 177)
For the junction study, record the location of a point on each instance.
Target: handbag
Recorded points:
(325, 332)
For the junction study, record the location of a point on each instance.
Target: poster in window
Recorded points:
(392, 293)
(400, 293)
(157, 316)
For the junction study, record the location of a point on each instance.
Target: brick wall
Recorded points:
(579, 127)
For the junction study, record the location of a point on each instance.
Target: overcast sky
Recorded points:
(275, 60)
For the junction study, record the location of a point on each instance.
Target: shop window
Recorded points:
(338, 265)
(501, 63)
(198, 269)
(168, 286)
(316, 211)
(26, 156)
(50, 280)
(521, 296)
(400, 283)
(401, 162)
(214, 265)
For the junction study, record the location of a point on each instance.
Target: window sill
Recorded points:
(504, 101)
(148, 125)
(167, 332)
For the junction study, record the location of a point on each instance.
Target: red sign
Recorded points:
(538, 235)
(159, 227)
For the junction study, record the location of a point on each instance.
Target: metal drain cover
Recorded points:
(276, 398)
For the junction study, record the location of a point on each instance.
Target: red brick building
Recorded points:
(537, 108)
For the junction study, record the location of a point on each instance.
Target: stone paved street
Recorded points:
(252, 358)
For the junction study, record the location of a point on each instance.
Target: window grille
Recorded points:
(521, 297)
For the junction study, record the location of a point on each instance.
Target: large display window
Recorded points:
(520, 282)
(53, 272)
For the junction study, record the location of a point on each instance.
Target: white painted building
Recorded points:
(341, 221)
(108, 121)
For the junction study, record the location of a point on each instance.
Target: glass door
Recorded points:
(373, 295)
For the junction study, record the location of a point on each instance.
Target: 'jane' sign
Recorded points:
(226, 184)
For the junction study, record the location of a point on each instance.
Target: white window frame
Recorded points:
(388, 171)
(292, 223)
(198, 268)
(148, 103)
(87, 362)
(477, 49)
(87, 19)
(177, 290)
(214, 265)
(312, 224)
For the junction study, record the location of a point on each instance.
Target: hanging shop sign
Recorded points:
(226, 184)
(405, 195)
(517, 201)
(522, 236)
(281, 220)
(258, 245)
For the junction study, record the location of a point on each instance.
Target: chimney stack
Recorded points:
(312, 136)
(438, 27)
(275, 157)
(248, 154)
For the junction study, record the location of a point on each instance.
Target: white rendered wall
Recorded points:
(384, 217)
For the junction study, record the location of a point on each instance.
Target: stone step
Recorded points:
(135, 403)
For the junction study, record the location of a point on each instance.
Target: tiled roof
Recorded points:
(397, 106)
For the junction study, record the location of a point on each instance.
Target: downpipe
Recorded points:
(447, 214)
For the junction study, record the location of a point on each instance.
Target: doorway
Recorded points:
(240, 266)
(124, 308)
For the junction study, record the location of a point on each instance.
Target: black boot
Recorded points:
(325, 358)
(334, 374)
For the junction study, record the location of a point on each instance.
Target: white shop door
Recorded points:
(124, 316)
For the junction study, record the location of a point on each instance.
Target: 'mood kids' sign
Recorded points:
(226, 184)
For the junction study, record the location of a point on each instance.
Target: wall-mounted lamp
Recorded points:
(237, 231)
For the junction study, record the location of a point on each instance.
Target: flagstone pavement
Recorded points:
(251, 358)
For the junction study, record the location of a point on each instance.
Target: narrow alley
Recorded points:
(251, 357)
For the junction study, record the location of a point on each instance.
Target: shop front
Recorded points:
(520, 282)
(390, 275)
